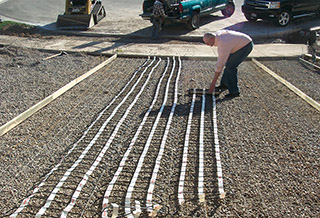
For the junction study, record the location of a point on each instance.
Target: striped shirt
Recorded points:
(158, 10)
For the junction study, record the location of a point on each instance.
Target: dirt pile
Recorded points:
(16, 29)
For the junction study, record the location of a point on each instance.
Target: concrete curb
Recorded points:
(193, 38)
(143, 49)
(187, 57)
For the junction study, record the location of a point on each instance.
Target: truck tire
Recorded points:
(229, 10)
(284, 18)
(250, 18)
(194, 21)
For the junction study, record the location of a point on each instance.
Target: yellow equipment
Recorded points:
(81, 14)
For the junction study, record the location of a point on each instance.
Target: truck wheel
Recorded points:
(194, 21)
(229, 10)
(284, 18)
(250, 18)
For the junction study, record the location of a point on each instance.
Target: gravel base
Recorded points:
(269, 140)
(40, 77)
(304, 76)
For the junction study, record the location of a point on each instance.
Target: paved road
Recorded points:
(32, 11)
(46, 12)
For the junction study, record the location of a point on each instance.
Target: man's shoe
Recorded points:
(232, 95)
(219, 89)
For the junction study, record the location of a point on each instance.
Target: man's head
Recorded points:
(209, 39)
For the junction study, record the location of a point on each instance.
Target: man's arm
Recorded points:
(214, 81)
(162, 12)
(223, 55)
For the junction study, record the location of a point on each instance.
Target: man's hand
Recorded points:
(214, 81)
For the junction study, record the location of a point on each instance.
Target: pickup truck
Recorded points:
(189, 11)
(282, 11)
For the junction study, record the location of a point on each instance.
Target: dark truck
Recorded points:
(189, 11)
(282, 11)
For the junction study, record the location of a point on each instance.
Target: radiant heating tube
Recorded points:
(26, 201)
(66, 175)
(217, 150)
(144, 153)
(163, 143)
(201, 151)
(85, 178)
(185, 153)
(124, 159)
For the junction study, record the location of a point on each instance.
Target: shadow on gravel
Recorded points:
(182, 110)
(313, 69)
(180, 29)
(144, 35)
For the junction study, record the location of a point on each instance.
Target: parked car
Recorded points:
(282, 11)
(189, 11)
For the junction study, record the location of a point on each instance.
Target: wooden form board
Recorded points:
(25, 115)
(297, 91)
(309, 63)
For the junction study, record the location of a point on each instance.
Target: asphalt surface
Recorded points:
(44, 14)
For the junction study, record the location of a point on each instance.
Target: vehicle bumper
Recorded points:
(178, 19)
(260, 13)
(146, 16)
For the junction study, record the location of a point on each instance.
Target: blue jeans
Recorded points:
(156, 28)
(230, 74)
